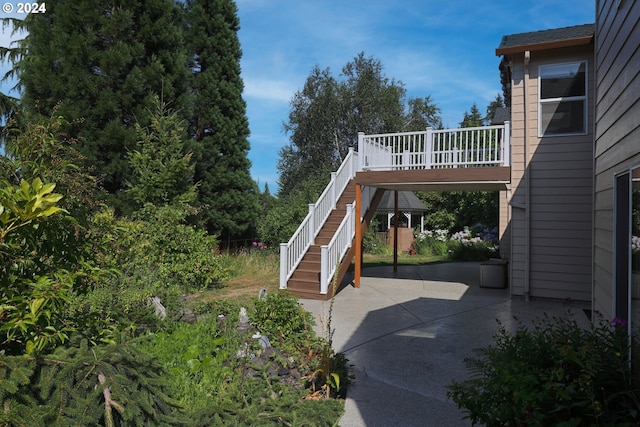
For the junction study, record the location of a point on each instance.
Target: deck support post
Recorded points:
(358, 225)
(395, 231)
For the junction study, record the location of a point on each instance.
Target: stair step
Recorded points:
(312, 276)
(309, 265)
(305, 281)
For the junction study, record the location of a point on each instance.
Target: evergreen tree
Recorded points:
(219, 127)
(101, 63)
(472, 118)
(162, 172)
(104, 385)
(492, 107)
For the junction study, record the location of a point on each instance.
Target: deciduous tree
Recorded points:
(327, 114)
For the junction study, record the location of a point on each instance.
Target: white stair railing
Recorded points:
(291, 253)
(332, 253)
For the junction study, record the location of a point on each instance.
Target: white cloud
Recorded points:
(269, 90)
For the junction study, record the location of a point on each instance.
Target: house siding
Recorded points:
(617, 135)
(561, 190)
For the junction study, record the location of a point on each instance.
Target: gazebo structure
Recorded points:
(408, 204)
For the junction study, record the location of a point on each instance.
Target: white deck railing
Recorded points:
(431, 149)
(332, 253)
(291, 253)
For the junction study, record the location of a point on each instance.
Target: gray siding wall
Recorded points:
(561, 191)
(617, 144)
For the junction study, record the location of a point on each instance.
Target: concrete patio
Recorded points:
(406, 335)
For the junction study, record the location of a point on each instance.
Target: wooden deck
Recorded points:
(451, 179)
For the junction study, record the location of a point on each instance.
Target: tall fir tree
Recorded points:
(219, 127)
(493, 106)
(101, 63)
(473, 118)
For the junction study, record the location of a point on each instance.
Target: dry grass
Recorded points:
(251, 272)
(257, 270)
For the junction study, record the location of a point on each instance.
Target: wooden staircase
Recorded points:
(305, 281)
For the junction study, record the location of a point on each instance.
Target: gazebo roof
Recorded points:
(407, 202)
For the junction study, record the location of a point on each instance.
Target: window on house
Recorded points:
(563, 99)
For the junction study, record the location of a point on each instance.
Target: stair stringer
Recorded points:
(345, 263)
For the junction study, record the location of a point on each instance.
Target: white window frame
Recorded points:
(583, 98)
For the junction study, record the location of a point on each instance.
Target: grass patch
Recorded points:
(250, 272)
(371, 260)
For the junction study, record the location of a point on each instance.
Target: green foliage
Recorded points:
(327, 114)
(154, 256)
(101, 67)
(16, 394)
(472, 118)
(456, 209)
(104, 385)
(22, 205)
(218, 127)
(498, 102)
(196, 356)
(43, 149)
(371, 243)
(281, 318)
(435, 243)
(285, 217)
(34, 284)
(224, 377)
(480, 251)
(162, 173)
(558, 373)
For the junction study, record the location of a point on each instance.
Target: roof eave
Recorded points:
(556, 44)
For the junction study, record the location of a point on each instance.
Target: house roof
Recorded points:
(501, 115)
(547, 39)
(407, 202)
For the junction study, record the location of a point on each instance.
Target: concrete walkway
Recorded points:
(406, 336)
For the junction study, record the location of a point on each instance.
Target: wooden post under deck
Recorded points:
(395, 231)
(358, 256)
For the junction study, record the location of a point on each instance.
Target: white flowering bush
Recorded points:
(476, 243)
(431, 242)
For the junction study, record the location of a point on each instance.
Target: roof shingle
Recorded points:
(512, 43)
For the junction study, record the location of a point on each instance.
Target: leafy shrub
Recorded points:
(371, 243)
(157, 256)
(38, 267)
(280, 317)
(432, 242)
(284, 218)
(556, 374)
(474, 244)
(196, 356)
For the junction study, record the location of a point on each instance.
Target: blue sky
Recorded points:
(441, 48)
